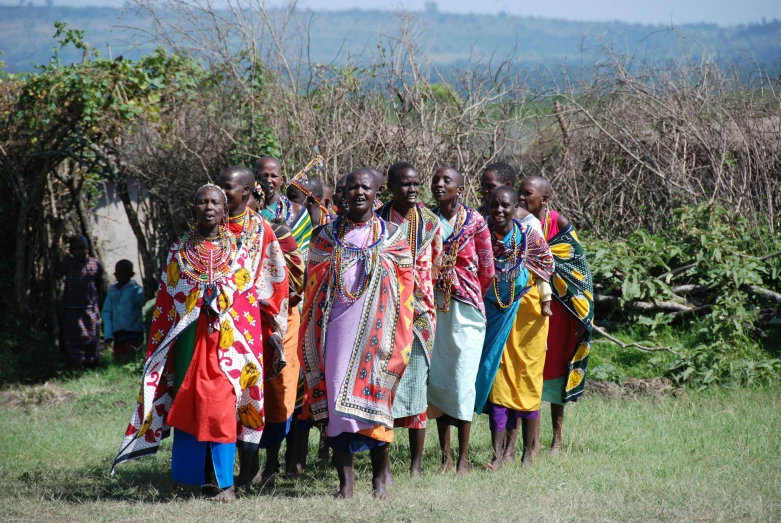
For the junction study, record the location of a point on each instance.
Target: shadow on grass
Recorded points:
(150, 482)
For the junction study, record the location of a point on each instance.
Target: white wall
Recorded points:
(115, 238)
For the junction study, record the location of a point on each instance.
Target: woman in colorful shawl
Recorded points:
(204, 368)
(509, 382)
(278, 206)
(466, 273)
(356, 331)
(422, 230)
(279, 388)
(569, 335)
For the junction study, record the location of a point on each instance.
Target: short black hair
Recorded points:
(505, 189)
(504, 172)
(395, 171)
(124, 263)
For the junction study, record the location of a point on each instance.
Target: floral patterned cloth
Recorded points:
(381, 351)
(256, 285)
(474, 265)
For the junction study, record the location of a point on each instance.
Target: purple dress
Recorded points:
(342, 331)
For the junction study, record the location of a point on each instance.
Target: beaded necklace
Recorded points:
(412, 232)
(508, 268)
(450, 247)
(546, 224)
(347, 254)
(241, 219)
(203, 264)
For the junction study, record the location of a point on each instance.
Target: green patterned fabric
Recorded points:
(573, 286)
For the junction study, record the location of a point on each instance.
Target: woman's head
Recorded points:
(534, 194)
(501, 206)
(447, 185)
(211, 207)
(339, 196)
(404, 183)
(360, 191)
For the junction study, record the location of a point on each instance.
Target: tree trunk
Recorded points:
(21, 274)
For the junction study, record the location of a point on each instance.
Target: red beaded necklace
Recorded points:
(207, 260)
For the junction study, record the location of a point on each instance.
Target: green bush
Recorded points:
(707, 260)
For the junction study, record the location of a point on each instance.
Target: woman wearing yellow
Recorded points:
(509, 380)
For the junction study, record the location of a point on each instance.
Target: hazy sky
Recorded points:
(722, 12)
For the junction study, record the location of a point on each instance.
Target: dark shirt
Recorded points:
(82, 281)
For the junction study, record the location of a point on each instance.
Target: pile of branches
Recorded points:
(628, 141)
(710, 271)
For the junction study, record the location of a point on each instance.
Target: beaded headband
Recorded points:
(301, 177)
(211, 186)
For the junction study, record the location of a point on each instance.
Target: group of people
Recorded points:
(328, 309)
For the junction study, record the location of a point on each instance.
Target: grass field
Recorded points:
(700, 456)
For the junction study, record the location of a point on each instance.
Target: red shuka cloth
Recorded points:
(205, 404)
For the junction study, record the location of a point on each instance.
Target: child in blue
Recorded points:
(123, 322)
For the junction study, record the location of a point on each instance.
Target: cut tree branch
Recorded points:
(602, 332)
(644, 305)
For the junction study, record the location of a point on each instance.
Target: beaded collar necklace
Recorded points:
(347, 254)
(509, 267)
(203, 264)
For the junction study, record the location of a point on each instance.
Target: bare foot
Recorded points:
(526, 460)
(462, 469)
(345, 491)
(265, 482)
(380, 492)
(554, 448)
(225, 496)
(545, 309)
(536, 449)
(379, 487)
(509, 457)
(447, 464)
(294, 470)
(415, 471)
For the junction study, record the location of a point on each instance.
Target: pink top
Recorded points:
(551, 224)
(474, 265)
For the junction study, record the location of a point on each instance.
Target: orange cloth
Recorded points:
(379, 432)
(280, 391)
(205, 404)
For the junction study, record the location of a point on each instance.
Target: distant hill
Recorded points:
(450, 39)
